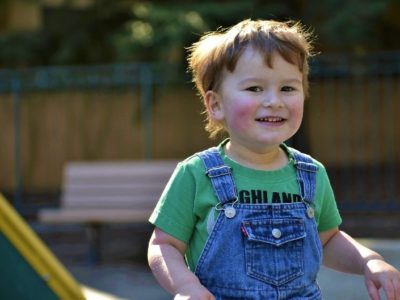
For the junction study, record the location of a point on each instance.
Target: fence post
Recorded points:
(146, 86)
(16, 90)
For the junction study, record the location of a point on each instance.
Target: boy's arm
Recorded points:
(343, 253)
(166, 260)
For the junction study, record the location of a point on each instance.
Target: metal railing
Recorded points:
(347, 94)
(131, 76)
(359, 120)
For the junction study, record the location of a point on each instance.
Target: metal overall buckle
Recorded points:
(229, 209)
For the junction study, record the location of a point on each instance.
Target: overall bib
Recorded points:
(261, 251)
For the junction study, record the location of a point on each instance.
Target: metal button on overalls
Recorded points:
(276, 233)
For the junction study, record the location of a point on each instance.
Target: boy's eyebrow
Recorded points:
(251, 79)
(258, 79)
(293, 80)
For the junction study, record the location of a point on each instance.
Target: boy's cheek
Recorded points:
(240, 115)
(298, 113)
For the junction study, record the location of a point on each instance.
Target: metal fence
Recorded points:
(132, 76)
(358, 117)
(351, 120)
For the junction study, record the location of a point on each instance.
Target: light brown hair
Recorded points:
(221, 49)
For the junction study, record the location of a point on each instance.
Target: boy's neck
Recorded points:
(270, 159)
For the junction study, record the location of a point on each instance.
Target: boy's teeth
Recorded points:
(270, 119)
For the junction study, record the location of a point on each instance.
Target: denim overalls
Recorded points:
(261, 251)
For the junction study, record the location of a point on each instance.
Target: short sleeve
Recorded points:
(328, 214)
(174, 211)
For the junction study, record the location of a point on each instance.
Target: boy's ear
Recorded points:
(212, 101)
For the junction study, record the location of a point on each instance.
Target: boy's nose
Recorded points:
(272, 99)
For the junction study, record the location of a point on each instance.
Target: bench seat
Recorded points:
(97, 193)
(94, 215)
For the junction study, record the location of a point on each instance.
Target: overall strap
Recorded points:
(306, 174)
(219, 174)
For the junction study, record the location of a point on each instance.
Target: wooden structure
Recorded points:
(98, 193)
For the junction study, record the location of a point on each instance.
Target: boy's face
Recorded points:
(260, 107)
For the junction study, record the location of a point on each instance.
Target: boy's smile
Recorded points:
(260, 107)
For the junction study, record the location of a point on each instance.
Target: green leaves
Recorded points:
(159, 31)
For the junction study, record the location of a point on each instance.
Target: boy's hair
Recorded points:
(221, 49)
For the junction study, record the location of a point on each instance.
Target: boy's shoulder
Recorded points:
(297, 154)
(195, 159)
(195, 163)
(192, 162)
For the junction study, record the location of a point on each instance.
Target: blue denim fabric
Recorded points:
(266, 251)
(220, 175)
(306, 174)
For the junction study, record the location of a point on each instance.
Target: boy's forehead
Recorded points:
(263, 57)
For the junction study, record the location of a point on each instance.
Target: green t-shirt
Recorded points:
(188, 198)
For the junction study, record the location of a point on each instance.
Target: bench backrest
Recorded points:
(115, 184)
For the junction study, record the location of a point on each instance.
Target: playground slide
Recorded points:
(28, 269)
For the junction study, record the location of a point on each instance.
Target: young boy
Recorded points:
(253, 218)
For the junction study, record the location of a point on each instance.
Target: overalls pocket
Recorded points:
(274, 249)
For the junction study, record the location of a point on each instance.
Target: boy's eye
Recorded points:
(287, 89)
(254, 89)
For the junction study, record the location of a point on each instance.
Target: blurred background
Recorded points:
(101, 80)
(106, 80)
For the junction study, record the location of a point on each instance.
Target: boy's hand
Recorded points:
(379, 274)
(194, 292)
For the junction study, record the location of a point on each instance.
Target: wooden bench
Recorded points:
(98, 193)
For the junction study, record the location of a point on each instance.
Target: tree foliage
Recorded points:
(129, 31)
